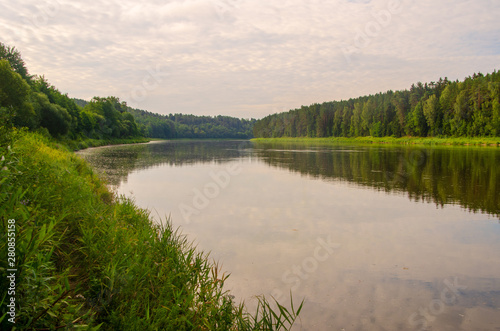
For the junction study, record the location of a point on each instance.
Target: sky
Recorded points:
(249, 58)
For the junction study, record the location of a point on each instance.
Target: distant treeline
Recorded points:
(152, 125)
(30, 101)
(443, 108)
(190, 126)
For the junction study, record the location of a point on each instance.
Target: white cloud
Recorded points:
(250, 58)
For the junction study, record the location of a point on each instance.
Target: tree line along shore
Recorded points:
(442, 109)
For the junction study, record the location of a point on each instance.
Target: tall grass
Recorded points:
(87, 259)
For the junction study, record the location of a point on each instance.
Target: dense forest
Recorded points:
(444, 108)
(190, 126)
(30, 101)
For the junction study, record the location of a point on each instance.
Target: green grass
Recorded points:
(87, 259)
(460, 141)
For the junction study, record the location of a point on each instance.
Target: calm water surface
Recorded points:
(373, 238)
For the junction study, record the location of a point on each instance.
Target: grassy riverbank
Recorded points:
(88, 259)
(75, 145)
(475, 141)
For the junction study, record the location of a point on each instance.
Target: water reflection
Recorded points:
(464, 175)
(116, 162)
(467, 176)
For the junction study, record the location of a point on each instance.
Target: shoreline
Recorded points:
(78, 145)
(133, 141)
(117, 144)
(428, 141)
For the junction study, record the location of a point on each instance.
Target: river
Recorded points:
(372, 237)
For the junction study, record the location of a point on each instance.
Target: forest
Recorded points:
(444, 108)
(190, 126)
(30, 101)
(183, 126)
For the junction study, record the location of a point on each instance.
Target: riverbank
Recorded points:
(475, 141)
(76, 145)
(85, 258)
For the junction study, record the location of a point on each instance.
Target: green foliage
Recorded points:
(106, 118)
(268, 318)
(431, 113)
(40, 106)
(37, 105)
(153, 125)
(53, 117)
(416, 125)
(456, 141)
(441, 108)
(14, 58)
(87, 259)
(191, 126)
(496, 117)
(14, 93)
(6, 116)
(79, 102)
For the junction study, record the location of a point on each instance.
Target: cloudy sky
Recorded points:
(249, 58)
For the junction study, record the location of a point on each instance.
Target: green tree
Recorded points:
(376, 129)
(14, 96)
(461, 113)
(496, 118)
(367, 116)
(446, 104)
(400, 102)
(437, 108)
(53, 117)
(416, 125)
(16, 62)
(356, 129)
(430, 110)
(322, 122)
(346, 121)
(87, 122)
